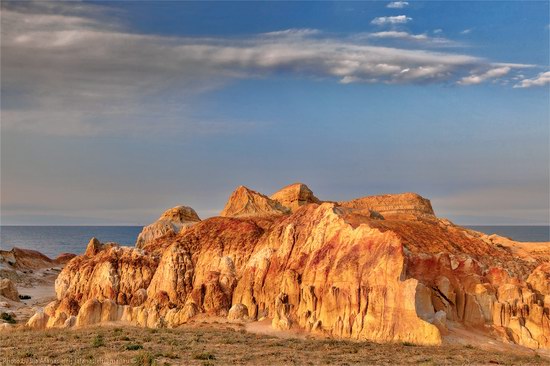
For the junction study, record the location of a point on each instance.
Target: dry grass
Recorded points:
(222, 345)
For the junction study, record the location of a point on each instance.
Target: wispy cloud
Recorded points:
(466, 31)
(541, 79)
(418, 38)
(402, 35)
(490, 74)
(398, 19)
(397, 4)
(81, 73)
(296, 32)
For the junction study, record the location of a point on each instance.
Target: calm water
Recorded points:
(53, 240)
(519, 233)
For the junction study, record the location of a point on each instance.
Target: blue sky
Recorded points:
(114, 111)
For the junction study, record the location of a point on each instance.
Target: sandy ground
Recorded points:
(214, 343)
(38, 284)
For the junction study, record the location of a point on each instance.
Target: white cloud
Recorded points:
(398, 19)
(489, 74)
(438, 31)
(402, 35)
(79, 74)
(541, 79)
(397, 4)
(467, 31)
(422, 39)
(293, 32)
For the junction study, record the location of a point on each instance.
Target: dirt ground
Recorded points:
(224, 344)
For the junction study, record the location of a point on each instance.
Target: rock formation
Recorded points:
(245, 202)
(405, 206)
(294, 196)
(8, 289)
(171, 222)
(331, 268)
(24, 273)
(31, 259)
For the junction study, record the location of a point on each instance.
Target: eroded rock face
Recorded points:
(8, 289)
(18, 258)
(245, 202)
(294, 196)
(404, 206)
(169, 223)
(324, 268)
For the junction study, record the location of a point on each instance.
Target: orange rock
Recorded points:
(170, 223)
(294, 196)
(327, 268)
(8, 289)
(245, 202)
(404, 206)
(18, 258)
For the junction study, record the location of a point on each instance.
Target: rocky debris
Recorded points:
(238, 312)
(294, 196)
(325, 268)
(8, 289)
(170, 223)
(404, 206)
(38, 321)
(245, 202)
(29, 276)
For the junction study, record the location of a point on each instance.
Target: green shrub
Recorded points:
(133, 347)
(7, 317)
(98, 341)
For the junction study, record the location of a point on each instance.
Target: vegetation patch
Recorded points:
(98, 341)
(8, 318)
(145, 359)
(133, 347)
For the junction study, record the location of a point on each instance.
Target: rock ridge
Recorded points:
(323, 267)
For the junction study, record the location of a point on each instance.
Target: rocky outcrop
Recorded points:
(245, 202)
(18, 258)
(404, 206)
(170, 223)
(95, 246)
(238, 312)
(325, 268)
(294, 196)
(8, 289)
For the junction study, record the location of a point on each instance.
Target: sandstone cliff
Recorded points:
(294, 196)
(245, 202)
(170, 223)
(327, 268)
(18, 258)
(404, 206)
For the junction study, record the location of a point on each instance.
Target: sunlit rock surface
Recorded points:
(294, 196)
(328, 268)
(170, 223)
(245, 202)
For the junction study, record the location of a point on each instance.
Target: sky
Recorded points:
(112, 112)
